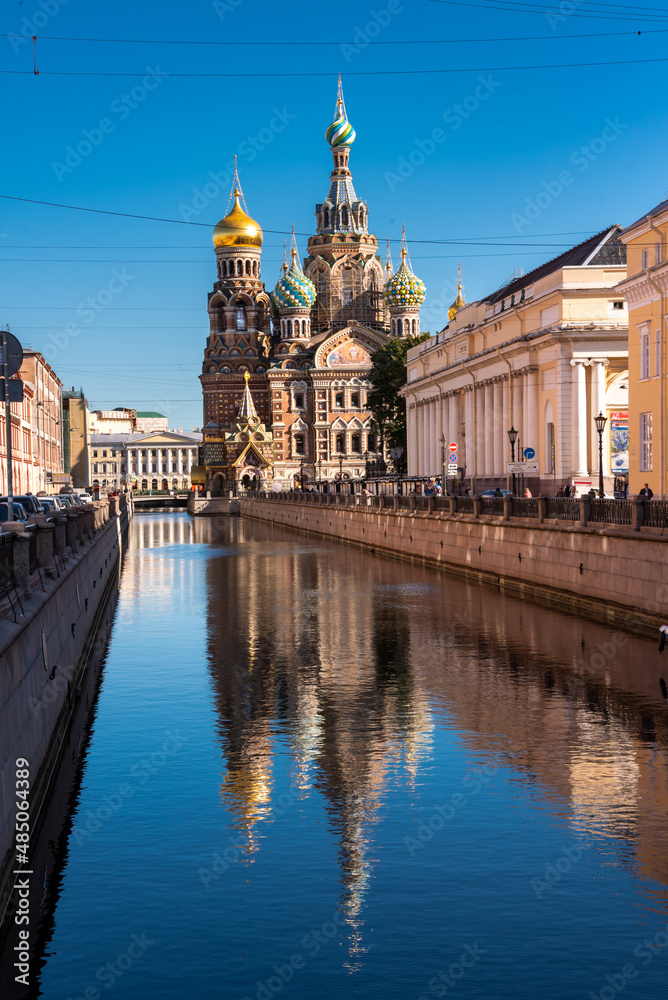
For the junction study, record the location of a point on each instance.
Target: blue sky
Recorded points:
(522, 163)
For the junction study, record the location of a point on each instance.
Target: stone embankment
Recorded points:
(601, 558)
(55, 577)
(209, 506)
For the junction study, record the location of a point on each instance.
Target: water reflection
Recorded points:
(326, 652)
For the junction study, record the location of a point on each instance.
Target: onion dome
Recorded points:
(237, 229)
(293, 290)
(459, 301)
(340, 133)
(403, 288)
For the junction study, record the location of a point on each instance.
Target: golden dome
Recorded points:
(459, 302)
(237, 229)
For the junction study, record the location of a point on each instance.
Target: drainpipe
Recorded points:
(475, 427)
(662, 298)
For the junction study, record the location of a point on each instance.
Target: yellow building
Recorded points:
(646, 292)
(543, 355)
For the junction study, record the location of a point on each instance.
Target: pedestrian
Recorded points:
(527, 493)
(567, 490)
(560, 492)
(497, 492)
(646, 492)
(438, 490)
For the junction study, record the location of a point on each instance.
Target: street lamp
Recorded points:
(512, 437)
(340, 473)
(600, 422)
(320, 474)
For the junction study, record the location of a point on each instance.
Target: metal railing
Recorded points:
(562, 509)
(584, 510)
(610, 511)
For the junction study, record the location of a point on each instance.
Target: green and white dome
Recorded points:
(294, 290)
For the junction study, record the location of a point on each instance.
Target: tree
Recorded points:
(388, 374)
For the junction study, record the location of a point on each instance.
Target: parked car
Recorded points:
(19, 512)
(28, 501)
(491, 493)
(50, 504)
(85, 497)
(73, 498)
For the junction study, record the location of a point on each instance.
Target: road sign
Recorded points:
(396, 453)
(14, 354)
(529, 453)
(452, 446)
(522, 468)
(452, 473)
(15, 390)
(453, 458)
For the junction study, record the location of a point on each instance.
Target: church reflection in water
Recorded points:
(347, 665)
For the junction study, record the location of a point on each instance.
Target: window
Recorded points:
(344, 216)
(657, 353)
(356, 443)
(355, 399)
(371, 442)
(657, 253)
(299, 400)
(646, 442)
(299, 444)
(617, 305)
(241, 318)
(94, 454)
(643, 260)
(644, 355)
(340, 443)
(339, 400)
(104, 454)
(347, 286)
(321, 287)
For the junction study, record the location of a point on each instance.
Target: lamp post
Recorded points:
(340, 473)
(444, 481)
(600, 422)
(320, 474)
(512, 437)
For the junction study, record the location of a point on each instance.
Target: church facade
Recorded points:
(303, 353)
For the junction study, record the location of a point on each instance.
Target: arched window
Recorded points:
(325, 218)
(321, 288)
(240, 267)
(371, 442)
(414, 326)
(347, 286)
(341, 443)
(289, 328)
(339, 400)
(248, 269)
(255, 269)
(241, 317)
(356, 442)
(398, 328)
(344, 216)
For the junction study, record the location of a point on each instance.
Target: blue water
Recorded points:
(318, 773)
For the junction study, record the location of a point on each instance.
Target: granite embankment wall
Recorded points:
(608, 572)
(43, 654)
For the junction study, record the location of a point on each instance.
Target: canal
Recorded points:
(314, 772)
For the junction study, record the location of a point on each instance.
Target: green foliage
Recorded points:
(388, 374)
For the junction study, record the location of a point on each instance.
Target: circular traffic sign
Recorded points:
(453, 457)
(14, 353)
(529, 453)
(453, 446)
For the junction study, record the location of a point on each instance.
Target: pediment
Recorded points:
(162, 437)
(349, 348)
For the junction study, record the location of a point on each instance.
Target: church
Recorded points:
(285, 376)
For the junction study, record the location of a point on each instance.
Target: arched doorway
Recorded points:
(164, 485)
(154, 484)
(218, 484)
(144, 484)
(251, 480)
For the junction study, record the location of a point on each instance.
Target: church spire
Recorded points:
(459, 302)
(247, 409)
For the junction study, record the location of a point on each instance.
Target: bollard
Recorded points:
(430, 505)
(477, 506)
(45, 536)
(542, 509)
(396, 504)
(71, 530)
(507, 508)
(411, 503)
(112, 506)
(637, 515)
(22, 562)
(585, 510)
(61, 534)
(453, 504)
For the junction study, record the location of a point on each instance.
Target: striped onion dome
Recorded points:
(403, 288)
(340, 132)
(293, 290)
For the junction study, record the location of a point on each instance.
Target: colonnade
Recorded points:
(476, 418)
(138, 457)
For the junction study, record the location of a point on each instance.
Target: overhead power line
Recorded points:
(331, 44)
(513, 7)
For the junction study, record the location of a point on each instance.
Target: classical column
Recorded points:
(579, 411)
(531, 424)
(454, 423)
(189, 461)
(518, 410)
(489, 429)
(179, 461)
(480, 430)
(469, 455)
(445, 430)
(411, 437)
(505, 444)
(598, 367)
(435, 436)
(499, 466)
